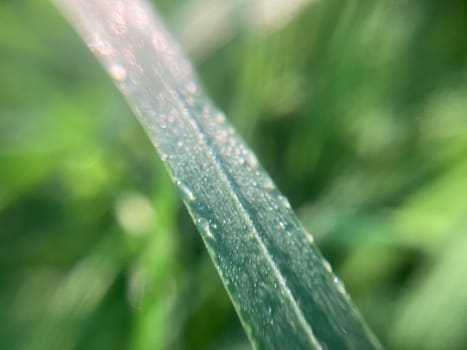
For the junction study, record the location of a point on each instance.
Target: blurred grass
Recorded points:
(358, 109)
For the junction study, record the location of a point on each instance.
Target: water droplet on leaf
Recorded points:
(310, 238)
(327, 266)
(285, 202)
(205, 227)
(118, 72)
(185, 191)
(100, 47)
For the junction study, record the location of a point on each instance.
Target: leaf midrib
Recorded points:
(223, 175)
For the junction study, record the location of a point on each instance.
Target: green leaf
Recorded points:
(283, 290)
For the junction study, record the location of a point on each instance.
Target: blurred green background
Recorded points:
(358, 109)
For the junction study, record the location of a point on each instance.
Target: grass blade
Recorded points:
(283, 290)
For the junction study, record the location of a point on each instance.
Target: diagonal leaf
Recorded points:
(283, 290)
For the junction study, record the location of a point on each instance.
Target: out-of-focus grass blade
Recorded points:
(282, 288)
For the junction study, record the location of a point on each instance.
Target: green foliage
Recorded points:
(283, 290)
(358, 111)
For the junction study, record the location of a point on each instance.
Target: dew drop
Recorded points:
(205, 227)
(269, 313)
(282, 224)
(327, 266)
(220, 118)
(100, 47)
(284, 201)
(310, 238)
(251, 159)
(118, 72)
(340, 286)
(268, 184)
(185, 191)
(163, 121)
